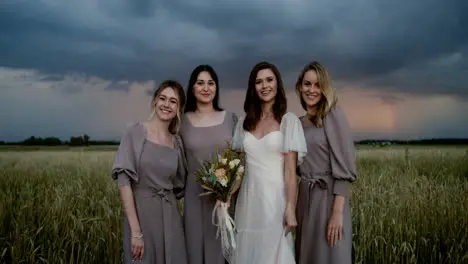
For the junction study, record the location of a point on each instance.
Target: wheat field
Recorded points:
(409, 206)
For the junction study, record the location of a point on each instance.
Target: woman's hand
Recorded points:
(137, 246)
(290, 221)
(335, 228)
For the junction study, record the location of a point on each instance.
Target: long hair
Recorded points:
(191, 105)
(253, 103)
(328, 100)
(179, 90)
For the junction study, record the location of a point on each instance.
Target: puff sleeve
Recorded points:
(181, 176)
(239, 134)
(342, 151)
(123, 168)
(293, 136)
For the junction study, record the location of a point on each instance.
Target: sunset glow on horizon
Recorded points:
(103, 113)
(87, 67)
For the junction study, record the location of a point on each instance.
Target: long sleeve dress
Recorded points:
(201, 144)
(156, 174)
(328, 170)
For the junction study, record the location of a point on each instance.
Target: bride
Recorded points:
(274, 143)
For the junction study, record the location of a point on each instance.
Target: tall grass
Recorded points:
(62, 207)
(411, 210)
(59, 208)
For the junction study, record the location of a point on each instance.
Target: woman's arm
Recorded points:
(290, 181)
(294, 149)
(126, 195)
(137, 245)
(124, 171)
(338, 204)
(343, 166)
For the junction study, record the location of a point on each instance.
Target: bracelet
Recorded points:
(140, 236)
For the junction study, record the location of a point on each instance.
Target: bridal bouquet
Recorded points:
(221, 178)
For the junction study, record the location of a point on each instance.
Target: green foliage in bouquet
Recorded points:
(222, 176)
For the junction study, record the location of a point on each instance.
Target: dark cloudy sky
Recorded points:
(85, 66)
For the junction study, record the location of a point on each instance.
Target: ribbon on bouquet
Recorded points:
(226, 227)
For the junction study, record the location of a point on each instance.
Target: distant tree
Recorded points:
(86, 139)
(76, 141)
(52, 141)
(33, 141)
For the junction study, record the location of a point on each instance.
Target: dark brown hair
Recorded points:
(253, 103)
(179, 90)
(328, 100)
(191, 105)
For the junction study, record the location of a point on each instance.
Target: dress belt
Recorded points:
(320, 178)
(313, 178)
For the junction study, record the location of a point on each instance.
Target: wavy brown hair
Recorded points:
(328, 100)
(253, 103)
(179, 90)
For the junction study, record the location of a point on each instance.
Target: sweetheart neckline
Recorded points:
(267, 134)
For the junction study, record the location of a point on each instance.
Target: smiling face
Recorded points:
(310, 90)
(204, 88)
(266, 85)
(166, 104)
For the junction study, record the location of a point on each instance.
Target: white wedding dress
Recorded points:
(262, 198)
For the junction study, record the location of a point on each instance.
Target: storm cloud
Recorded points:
(87, 66)
(416, 46)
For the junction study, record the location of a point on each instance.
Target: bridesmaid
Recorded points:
(205, 128)
(324, 233)
(150, 168)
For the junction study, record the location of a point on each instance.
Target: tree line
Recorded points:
(428, 141)
(83, 140)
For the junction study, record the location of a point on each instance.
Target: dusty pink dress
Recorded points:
(156, 174)
(328, 170)
(200, 145)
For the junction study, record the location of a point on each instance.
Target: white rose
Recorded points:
(234, 163)
(223, 182)
(223, 161)
(240, 170)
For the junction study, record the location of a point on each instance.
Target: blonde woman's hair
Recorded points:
(174, 126)
(328, 100)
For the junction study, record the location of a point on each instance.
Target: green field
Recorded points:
(59, 205)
